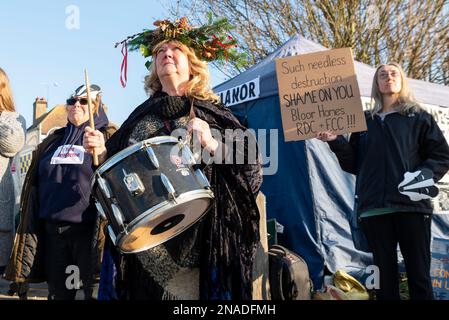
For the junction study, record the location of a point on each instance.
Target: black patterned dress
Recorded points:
(170, 270)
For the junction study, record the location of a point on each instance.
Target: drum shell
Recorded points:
(172, 162)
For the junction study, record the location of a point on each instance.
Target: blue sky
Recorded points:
(45, 58)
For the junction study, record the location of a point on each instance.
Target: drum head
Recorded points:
(163, 225)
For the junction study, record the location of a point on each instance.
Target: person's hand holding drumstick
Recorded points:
(94, 140)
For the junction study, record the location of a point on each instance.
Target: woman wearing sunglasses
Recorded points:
(58, 219)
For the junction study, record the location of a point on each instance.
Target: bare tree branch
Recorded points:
(412, 33)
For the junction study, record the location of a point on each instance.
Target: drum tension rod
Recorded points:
(152, 156)
(169, 187)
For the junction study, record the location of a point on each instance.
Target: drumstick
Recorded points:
(191, 116)
(192, 113)
(196, 155)
(91, 115)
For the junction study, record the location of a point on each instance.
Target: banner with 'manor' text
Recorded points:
(245, 92)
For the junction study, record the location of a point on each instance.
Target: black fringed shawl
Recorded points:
(231, 230)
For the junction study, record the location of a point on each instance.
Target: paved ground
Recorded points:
(37, 291)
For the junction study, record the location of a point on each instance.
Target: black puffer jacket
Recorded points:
(380, 156)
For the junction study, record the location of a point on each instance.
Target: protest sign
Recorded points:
(319, 92)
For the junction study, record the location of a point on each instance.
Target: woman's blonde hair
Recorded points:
(406, 103)
(6, 100)
(197, 87)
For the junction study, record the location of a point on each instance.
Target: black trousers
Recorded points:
(411, 230)
(69, 258)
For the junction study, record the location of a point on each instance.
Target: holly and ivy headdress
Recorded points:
(211, 41)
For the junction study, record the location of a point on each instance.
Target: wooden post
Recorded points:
(261, 285)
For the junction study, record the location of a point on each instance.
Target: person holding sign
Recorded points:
(213, 258)
(58, 220)
(396, 162)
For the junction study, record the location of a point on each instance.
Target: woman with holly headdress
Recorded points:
(213, 258)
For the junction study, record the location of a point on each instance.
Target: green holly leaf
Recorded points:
(148, 65)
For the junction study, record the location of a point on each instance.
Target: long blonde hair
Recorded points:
(197, 87)
(6, 100)
(406, 103)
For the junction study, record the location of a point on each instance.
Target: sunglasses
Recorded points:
(72, 101)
